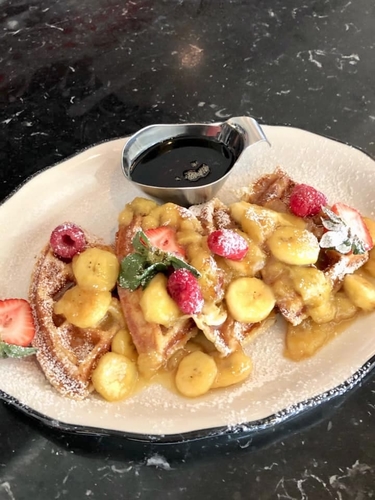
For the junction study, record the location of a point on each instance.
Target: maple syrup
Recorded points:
(183, 162)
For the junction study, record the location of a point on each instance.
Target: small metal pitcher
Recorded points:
(237, 134)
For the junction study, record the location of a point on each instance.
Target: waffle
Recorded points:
(273, 191)
(67, 354)
(155, 343)
(230, 334)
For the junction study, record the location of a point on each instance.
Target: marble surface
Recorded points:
(76, 73)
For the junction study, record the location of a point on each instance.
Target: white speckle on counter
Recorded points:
(159, 462)
(6, 487)
(314, 61)
(222, 113)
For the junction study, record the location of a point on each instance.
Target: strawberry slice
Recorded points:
(164, 238)
(354, 220)
(16, 322)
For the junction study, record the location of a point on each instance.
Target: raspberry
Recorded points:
(184, 289)
(66, 240)
(228, 244)
(306, 200)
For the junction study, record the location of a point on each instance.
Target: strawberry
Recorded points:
(164, 238)
(16, 322)
(354, 220)
(184, 289)
(306, 201)
(228, 244)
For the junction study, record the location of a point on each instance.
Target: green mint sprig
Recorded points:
(339, 235)
(138, 268)
(15, 351)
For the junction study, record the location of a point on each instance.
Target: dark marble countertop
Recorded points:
(73, 74)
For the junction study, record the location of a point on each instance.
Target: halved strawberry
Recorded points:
(354, 220)
(164, 238)
(16, 322)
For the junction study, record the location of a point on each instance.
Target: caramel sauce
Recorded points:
(304, 340)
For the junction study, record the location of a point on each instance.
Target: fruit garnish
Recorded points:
(306, 201)
(164, 238)
(228, 244)
(15, 351)
(346, 230)
(184, 289)
(67, 240)
(17, 328)
(138, 268)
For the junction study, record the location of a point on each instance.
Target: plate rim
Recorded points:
(202, 433)
(236, 430)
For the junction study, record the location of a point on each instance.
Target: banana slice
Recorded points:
(122, 343)
(360, 291)
(96, 269)
(311, 284)
(232, 369)
(195, 374)
(83, 308)
(294, 246)
(114, 377)
(156, 303)
(345, 309)
(249, 300)
(257, 222)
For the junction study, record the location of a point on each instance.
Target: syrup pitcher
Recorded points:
(187, 163)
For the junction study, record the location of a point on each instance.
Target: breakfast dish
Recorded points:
(271, 370)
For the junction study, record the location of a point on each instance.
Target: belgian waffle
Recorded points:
(155, 343)
(273, 191)
(67, 354)
(229, 335)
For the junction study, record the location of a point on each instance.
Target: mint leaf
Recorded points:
(132, 270)
(15, 351)
(141, 243)
(152, 271)
(138, 268)
(357, 246)
(178, 263)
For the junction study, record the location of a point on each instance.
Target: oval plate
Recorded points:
(90, 190)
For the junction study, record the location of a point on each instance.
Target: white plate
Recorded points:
(90, 190)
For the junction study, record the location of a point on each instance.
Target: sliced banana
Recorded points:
(156, 303)
(115, 376)
(257, 222)
(294, 246)
(232, 369)
(286, 219)
(324, 312)
(96, 269)
(360, 291)
(249, 300)
(83, 308)
(195, 374)
(345, 309)
(122, 343)
(311, 284)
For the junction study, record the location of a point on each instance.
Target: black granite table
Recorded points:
(74, 73)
